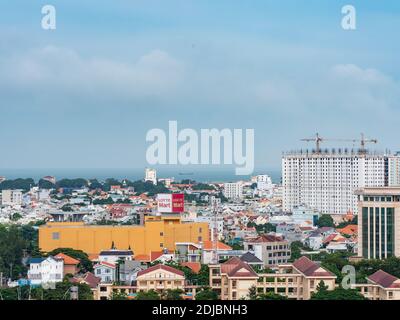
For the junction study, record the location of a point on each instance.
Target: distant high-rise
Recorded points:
(150, 175)
(326, 180)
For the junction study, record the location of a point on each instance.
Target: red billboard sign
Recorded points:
(171, 203)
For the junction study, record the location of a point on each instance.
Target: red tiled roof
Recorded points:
(209, 245)
(267, 238)
(350, 229)
(104, 263)
(67, 259)
(310, 268)
(385, 279)
(142, 257)
(162, 267)
(89, 278)
(195, 266)
(154, 255)
(235, 267)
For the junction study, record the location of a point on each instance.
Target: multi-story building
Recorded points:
(264, 185)
(234, 278)
(160, 278)
(380, 286)
(11, 197)
(46, 271)
(233, 190)
(379, 222)
(394, 170)
(150, 175)
(157, 233)
(326, 180)
(269, 248)
(305, 216)
(107, 272)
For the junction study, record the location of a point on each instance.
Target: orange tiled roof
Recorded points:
(142, 257)
(209, 245)
(67, 259)
(195, 266)
(162, 267)
(350, 229)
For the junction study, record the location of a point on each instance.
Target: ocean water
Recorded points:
(200, 175)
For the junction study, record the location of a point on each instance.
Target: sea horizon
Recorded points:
(134, 174)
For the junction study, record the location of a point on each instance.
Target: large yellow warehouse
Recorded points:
(157, 233)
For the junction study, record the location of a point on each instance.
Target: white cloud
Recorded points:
(52, 70)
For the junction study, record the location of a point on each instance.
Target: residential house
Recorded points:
(70, 264)
(45, 271)
(106, 271)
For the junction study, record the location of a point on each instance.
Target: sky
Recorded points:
(85, 94)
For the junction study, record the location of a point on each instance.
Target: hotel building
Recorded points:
(379, 222)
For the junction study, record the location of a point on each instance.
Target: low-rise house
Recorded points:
(70, 264)
(188, 252)
(314, 240)
(160, 278)
(45, 271)
(208, 250)
(105, 271)
(252, 261)
(380, 286)
(115, 255)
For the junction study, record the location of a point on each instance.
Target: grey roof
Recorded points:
(250, 258)
(116, 253)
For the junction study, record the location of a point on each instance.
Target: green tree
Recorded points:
(271, 296)
(337, 294)
(84, 262)
(148, 295)
(252, 293)
(120, 295)
(325, 220)
(175, 294)
(206, 294)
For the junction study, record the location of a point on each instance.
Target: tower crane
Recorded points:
(318, 139)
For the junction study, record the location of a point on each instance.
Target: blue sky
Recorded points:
(85, 94)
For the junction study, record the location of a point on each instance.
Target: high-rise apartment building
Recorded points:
(379, 222)
(326, 180)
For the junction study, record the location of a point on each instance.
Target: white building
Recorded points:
(11, 197)
(213, 222)
(45, 271)
(303, 215)
(264, 184)
(394, 170)
(233, 190)
(150, 175)
(326, 180)
(105, 271)
(115, 255)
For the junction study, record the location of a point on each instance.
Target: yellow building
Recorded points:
(158, 232)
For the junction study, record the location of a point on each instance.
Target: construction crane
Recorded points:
(318, 139)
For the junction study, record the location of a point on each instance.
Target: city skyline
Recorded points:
(85, 95)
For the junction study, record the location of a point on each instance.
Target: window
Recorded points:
(161, 234)
(161, 245)
(103, 289)
(56, 236)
